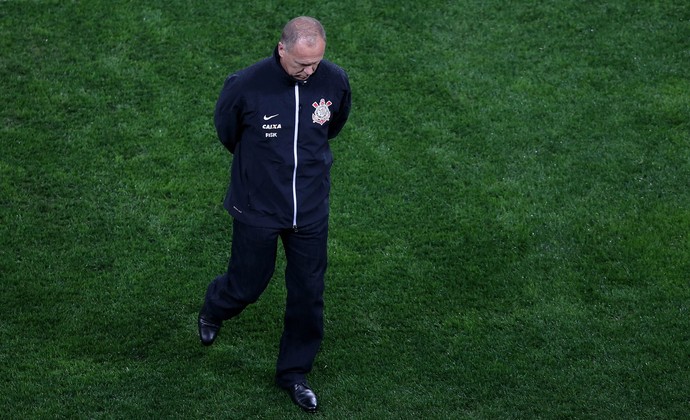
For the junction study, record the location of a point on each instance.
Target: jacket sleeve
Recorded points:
(227, 117)
(340, 118)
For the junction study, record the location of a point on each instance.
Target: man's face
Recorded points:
(302, 60)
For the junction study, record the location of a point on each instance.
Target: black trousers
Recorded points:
(251, 266)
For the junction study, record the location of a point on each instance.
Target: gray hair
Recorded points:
(302, 28)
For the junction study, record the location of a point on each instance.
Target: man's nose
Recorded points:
(309, 70)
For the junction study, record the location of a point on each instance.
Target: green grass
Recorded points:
(510, 211)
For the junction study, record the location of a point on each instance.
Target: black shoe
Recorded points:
(208, 328)
(304, 397)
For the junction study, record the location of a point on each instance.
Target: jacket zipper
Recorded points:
(294, 151)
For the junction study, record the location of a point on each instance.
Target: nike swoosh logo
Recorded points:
(266, 118)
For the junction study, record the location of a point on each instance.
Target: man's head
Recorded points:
(301, 47)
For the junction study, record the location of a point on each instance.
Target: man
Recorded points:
(276, 118)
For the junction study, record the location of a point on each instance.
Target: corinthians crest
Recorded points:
(322, 113)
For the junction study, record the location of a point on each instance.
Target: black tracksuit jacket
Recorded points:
(277, 129)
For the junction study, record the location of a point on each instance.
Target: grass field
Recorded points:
(510, 211)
